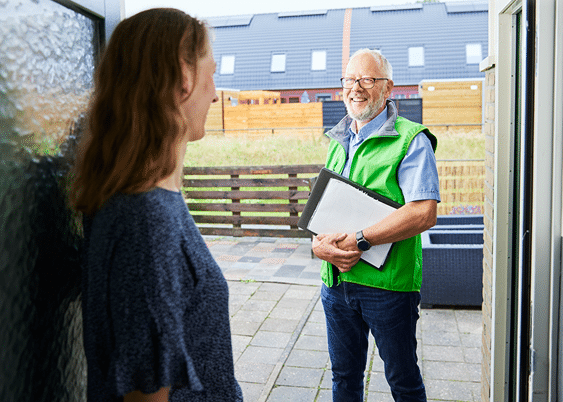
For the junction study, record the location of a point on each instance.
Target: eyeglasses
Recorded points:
(364, 82)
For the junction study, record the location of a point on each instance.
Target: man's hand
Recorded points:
(325, 246)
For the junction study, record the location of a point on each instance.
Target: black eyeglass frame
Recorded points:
(360, 83)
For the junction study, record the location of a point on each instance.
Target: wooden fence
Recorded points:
(268, 200)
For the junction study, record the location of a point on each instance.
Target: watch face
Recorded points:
(363, 245)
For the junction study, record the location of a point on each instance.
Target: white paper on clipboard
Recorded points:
(346, 209)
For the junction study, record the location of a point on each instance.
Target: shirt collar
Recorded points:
(372, 127)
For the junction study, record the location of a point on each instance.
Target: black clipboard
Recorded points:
(359, 208)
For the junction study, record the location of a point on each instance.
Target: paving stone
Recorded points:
(451, 371)
(469, 321)
(317, 316)
(267, 295)
(260, 354)
(250, 391)
(258, 305)
(287, 313)
(274, 287)
(472, 355)
(253, 372)
(438, 320)
(459, 391)
(279, 325)
(379, 397)
(242, 288)
(378, 383)
(442, 353)
(278, 262)
(240, 342)
(471, 340)
(248, 258)
(293, 394)
(300, 377)
(377, 364)
(441, 338)
(234, 274)
(243, 327)
(290, 271)
(309, 275)
(271, 339)
(324, 395)
(327, 380)
(307, 358)
(296, 304)
(310, 342)
(301, 292)
(250, 315)
(314, 328)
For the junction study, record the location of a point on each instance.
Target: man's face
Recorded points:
(364, 104)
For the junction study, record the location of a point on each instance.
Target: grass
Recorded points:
(216, 150)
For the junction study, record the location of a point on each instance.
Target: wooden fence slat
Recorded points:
(288, 182)
(252, 232)
(244, 207)
(248, 195)
(252, 170)
(246, 220)
(219, 196)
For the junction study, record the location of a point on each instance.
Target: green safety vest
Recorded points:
(374, 166)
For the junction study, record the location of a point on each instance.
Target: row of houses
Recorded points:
(302, 55)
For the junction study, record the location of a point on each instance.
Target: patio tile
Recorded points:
(300, 377)
(271, 339)
(259, 354)
(253, 372)
(307, 358)
(293, 394)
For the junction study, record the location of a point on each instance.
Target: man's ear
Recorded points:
(389, 88)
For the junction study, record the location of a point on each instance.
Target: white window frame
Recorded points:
(473, 53)
(278, 63)
(227, 64)
(318, 60)
(416, 56)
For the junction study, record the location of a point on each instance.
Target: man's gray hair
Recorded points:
(379, 58)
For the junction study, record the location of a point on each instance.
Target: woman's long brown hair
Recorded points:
(133, 121)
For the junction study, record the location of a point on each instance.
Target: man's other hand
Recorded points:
(325, 247)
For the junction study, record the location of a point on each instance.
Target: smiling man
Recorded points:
(394, 157)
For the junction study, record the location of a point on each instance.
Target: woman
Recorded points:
(155, 303)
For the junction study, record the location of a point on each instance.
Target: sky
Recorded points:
(217, 8)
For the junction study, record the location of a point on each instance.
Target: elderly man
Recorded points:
(377, 149)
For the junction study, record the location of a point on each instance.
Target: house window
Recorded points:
(278, 63)
(323, 97)
(227, 65)
(293, 99)
(416, 56)
(318, 60)
(473, 53)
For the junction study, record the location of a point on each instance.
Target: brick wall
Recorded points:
(489, 130)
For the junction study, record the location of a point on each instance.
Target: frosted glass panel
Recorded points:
(46, 69)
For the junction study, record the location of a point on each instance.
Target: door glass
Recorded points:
(47, 57)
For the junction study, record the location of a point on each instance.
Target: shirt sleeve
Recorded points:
(149, 290)
(417, 173)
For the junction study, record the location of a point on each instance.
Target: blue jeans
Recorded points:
(353, 310)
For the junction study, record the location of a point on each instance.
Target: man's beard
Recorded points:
(369, 112)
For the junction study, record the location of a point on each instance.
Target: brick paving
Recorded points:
(279, 333)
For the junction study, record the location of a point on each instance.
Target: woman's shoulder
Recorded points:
(153, 207)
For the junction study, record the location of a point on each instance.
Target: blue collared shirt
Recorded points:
(417, 173)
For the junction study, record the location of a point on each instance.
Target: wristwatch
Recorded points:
(361, 241)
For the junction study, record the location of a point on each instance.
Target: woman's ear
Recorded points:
(188, 75)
